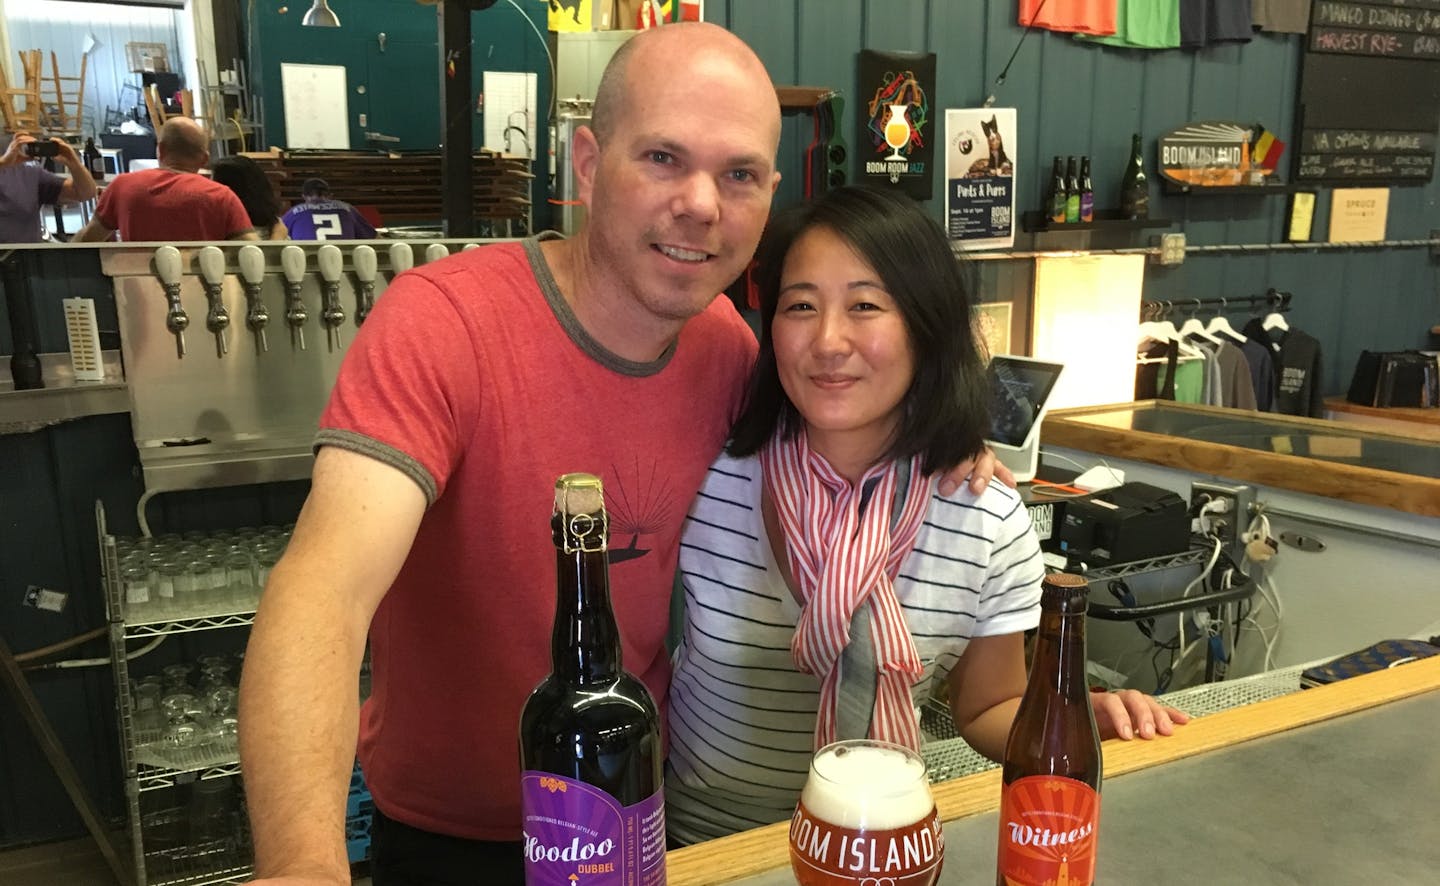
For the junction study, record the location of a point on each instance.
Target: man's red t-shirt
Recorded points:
(162, 204)
(473, 377)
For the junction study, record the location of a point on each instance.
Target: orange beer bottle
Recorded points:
(1050, 798)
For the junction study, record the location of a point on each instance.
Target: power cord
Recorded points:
(1057, 493)
(1260, 549)
(1190, 588)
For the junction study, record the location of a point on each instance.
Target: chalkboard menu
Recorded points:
(1369, 92)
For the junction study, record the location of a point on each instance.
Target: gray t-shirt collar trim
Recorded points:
(578, 334)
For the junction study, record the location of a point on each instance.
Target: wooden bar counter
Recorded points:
(1324, 798)
(1363, 464)
(1398, 419)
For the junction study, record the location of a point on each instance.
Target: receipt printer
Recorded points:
(1134, 521)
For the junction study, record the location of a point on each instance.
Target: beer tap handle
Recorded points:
(167, 268)
(217, 319)
(292, 264)
(436, 251)
(402, 259)
(252, 274)
(363, 257)
(331, 263)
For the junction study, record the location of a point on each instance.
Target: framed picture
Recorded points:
(992, 328)
(1301, 217)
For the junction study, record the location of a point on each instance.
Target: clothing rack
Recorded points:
(1272, 299)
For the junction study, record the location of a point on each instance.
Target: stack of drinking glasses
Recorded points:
(174, 577)
(186, 714)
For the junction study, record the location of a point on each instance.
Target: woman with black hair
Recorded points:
(821, 537)
(250, 183)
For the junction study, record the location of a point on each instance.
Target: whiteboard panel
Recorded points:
(316, 113)
(510, 112)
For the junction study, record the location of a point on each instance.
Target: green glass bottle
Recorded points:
(1072, 191)
(1055, 201)
(1134, 189)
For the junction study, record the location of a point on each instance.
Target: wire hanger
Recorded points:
(1275, 320)
(1164, 332)
(1157, 328)
(1220, 326)
(1193, 327)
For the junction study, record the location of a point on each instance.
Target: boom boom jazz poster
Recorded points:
(897, 123)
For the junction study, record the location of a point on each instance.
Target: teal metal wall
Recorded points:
(401, 82)
(1071, 99)
(1074, 98)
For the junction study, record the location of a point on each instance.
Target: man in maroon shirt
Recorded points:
(173, 202)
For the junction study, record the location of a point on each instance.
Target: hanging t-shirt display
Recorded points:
(1298, 372)
(1281, 16)
(1262, 373)
(1078, 16)
(1143, 24)
(1214, 21)
(898, 121)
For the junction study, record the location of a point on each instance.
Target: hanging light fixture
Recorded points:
(320, 16)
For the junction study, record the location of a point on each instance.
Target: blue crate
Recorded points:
(357, 837)
(357, 778)
(359, 813)
(358, 803)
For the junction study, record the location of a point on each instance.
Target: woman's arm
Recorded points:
(985, 689)
(988, 680)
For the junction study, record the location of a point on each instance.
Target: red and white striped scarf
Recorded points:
(839, 558)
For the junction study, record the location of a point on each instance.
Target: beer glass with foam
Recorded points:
(866, 817)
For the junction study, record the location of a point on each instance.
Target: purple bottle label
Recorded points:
(575, 833)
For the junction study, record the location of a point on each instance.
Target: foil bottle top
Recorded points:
(580, 521)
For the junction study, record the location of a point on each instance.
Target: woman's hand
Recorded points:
(1126, 713)
(980, 470)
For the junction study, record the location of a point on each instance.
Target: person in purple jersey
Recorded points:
(321, 217)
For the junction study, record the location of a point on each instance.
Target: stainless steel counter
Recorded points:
(63, 398)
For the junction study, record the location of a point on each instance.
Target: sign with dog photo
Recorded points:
(980, 177)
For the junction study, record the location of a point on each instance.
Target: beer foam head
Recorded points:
(867, 784)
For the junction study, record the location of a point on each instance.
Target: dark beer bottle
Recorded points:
(1134, 189)
(1055, 203)
(1072, 191)
(94, 161)
(590, 753)
(1050, 794)
(1087, 192)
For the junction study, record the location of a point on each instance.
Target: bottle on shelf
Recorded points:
(1087, 192)
(94, 161)
(1050, 794)
(590, 752)
(1072, 191)
(1134, 189)
(1055, 200)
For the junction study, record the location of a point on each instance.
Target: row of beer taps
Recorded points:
(330, 262)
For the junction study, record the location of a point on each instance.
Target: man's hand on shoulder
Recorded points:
(980, 469)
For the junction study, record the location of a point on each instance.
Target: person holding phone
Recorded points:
(25, 185)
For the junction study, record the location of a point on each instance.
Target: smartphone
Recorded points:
(45, 148)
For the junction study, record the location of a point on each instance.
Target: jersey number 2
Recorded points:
(327, 225)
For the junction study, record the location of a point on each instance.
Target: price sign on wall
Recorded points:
(1370, 92)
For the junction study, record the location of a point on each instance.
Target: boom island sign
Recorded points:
(903, 856)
